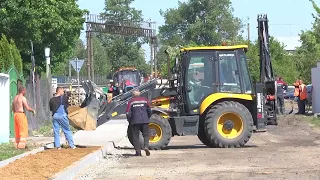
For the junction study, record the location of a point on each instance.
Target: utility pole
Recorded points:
(248, 30)
(154, 42)
(47, 55)
(33, 69)
(78, 78)
(69, 70)
(91, 59)
(88, 55)
(151, 58)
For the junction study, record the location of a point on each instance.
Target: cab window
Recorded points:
(245, 74)
(228, 72)
(199, 77)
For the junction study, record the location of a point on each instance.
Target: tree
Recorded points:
(9, 55)
(62, 68)
(308, 54)
(205, 22)
(102, 65)
(123, 50)
(281, 61)
(55, 23)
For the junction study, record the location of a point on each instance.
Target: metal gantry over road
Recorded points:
(104, 24)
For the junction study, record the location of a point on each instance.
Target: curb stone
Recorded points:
(34, 151)
(72, 171)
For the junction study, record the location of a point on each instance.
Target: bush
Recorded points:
(9, 55)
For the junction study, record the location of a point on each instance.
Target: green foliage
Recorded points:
(199, 22)
(162, 59)
(9, 55)
(55, 23)
(7, 150)
(122, 51)
(101, 61)
(17, 60)
(281, 61)
(308, 54)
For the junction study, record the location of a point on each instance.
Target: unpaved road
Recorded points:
(288, 151)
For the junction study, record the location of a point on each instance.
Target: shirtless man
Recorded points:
(20, 119)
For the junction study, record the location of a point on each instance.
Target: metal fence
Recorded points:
(98, 79)
(38, 98)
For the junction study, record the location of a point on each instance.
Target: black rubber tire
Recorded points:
(166, 133)
(202, 135)
(210, 125)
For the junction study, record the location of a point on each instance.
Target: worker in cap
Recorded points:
(138, 114)
(281, 88)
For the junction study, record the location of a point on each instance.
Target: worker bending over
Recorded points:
(20, 119)
(138, 114)
(281, 87)
(303, 95)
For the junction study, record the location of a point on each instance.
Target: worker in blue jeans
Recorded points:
(58, 107)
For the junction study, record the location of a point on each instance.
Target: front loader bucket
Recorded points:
(85, 118)
(82, 120)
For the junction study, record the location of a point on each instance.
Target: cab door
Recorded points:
(198, 80)
(228, 72)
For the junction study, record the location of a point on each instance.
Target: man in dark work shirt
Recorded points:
(58, 107)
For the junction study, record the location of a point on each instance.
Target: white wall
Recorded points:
(4, 108)
(315, 77)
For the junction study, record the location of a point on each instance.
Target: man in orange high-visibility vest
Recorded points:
(303, 95)
(296, 90)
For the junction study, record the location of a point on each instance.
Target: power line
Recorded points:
(285, 24)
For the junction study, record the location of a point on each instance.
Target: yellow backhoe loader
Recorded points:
(209, 94)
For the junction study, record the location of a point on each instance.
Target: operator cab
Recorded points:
(210, 70)
(127, 78)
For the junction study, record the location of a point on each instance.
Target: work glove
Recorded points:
(33, 112)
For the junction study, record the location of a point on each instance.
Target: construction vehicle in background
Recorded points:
(127, 78)
(209, 94)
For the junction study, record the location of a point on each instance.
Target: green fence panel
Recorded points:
(16, 79)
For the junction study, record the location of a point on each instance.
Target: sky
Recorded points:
(286, 17)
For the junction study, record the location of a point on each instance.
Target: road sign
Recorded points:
(54, 82)
(77, 64)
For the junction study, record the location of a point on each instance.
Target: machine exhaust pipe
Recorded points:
(168, 63)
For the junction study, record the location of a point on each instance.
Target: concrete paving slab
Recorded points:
(114, 130)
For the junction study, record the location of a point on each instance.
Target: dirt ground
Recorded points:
(43, 165)
(290, 150)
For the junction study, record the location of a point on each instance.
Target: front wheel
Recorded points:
(228, 124)
(160, 133)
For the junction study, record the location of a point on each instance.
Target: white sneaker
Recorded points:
(59, 148)
(74, 147)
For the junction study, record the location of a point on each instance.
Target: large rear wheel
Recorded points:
(160, 133)
(202, 135)
(228, 124)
